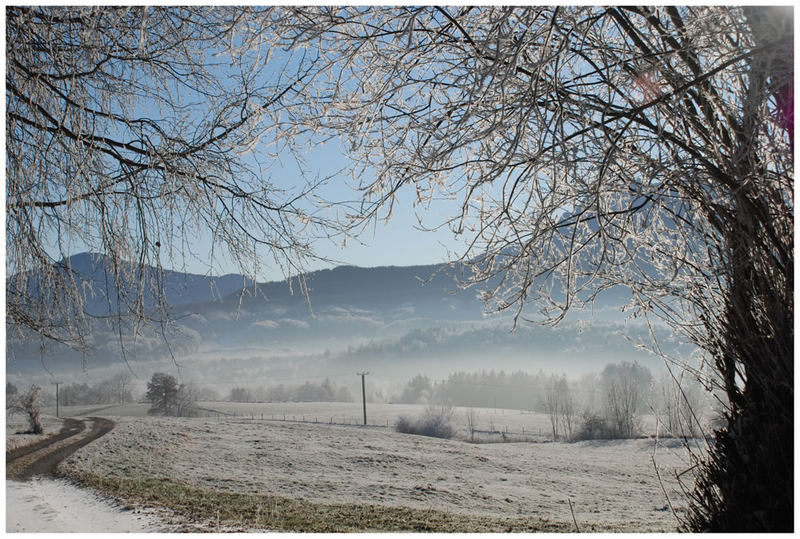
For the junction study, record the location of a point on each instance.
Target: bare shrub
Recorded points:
(592, 427)
(624, 386)
(405, 425)
(11, 393)
(680, 409)
(435, 421)
(560, 406)
(28, 405)
(472, 419)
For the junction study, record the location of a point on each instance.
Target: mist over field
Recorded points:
(395, 322)
(394, 372)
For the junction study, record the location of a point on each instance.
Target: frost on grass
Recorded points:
(612, 485)
(16, 425)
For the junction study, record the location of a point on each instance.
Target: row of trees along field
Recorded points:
(168, 396)
(115, 390)
(324, 391)
(607, 404)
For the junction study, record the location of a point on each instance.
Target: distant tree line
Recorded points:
(485, 389)
(325, 391)
(114, 390)
(452, 341)
(608, 404)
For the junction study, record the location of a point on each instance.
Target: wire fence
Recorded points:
(292, 418)
(536, 434)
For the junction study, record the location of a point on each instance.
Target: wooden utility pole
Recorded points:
(56, 384)
(363, 394)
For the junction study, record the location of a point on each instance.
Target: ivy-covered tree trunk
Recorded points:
(748, 482)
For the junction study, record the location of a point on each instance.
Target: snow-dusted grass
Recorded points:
(375, 471)
(17, 423)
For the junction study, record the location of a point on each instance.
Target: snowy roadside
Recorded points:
(57, 506)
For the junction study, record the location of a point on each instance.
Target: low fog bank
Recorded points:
(582, 402)
(393, 323)
(436, 352)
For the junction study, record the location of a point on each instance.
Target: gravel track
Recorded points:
(71, 428)
(42, 458)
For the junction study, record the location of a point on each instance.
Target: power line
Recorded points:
(363, 394)
(252, 381)
(56, 384)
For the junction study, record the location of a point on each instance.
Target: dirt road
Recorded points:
(43, 457)
(38, 503)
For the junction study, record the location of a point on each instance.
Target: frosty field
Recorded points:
(528, 425)
(612, 485)
(15, 425)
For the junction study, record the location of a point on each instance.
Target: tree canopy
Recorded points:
(593, 147)
(649, 148)
(132, 132)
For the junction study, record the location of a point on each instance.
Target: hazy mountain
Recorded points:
(388, 319)
(179, 288)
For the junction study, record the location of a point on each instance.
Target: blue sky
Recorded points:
(398, 242)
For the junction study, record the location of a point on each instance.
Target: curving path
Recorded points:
(43, 457)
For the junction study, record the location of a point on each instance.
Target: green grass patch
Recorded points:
(213, 508)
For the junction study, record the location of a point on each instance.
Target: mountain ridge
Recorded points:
(386, 318)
